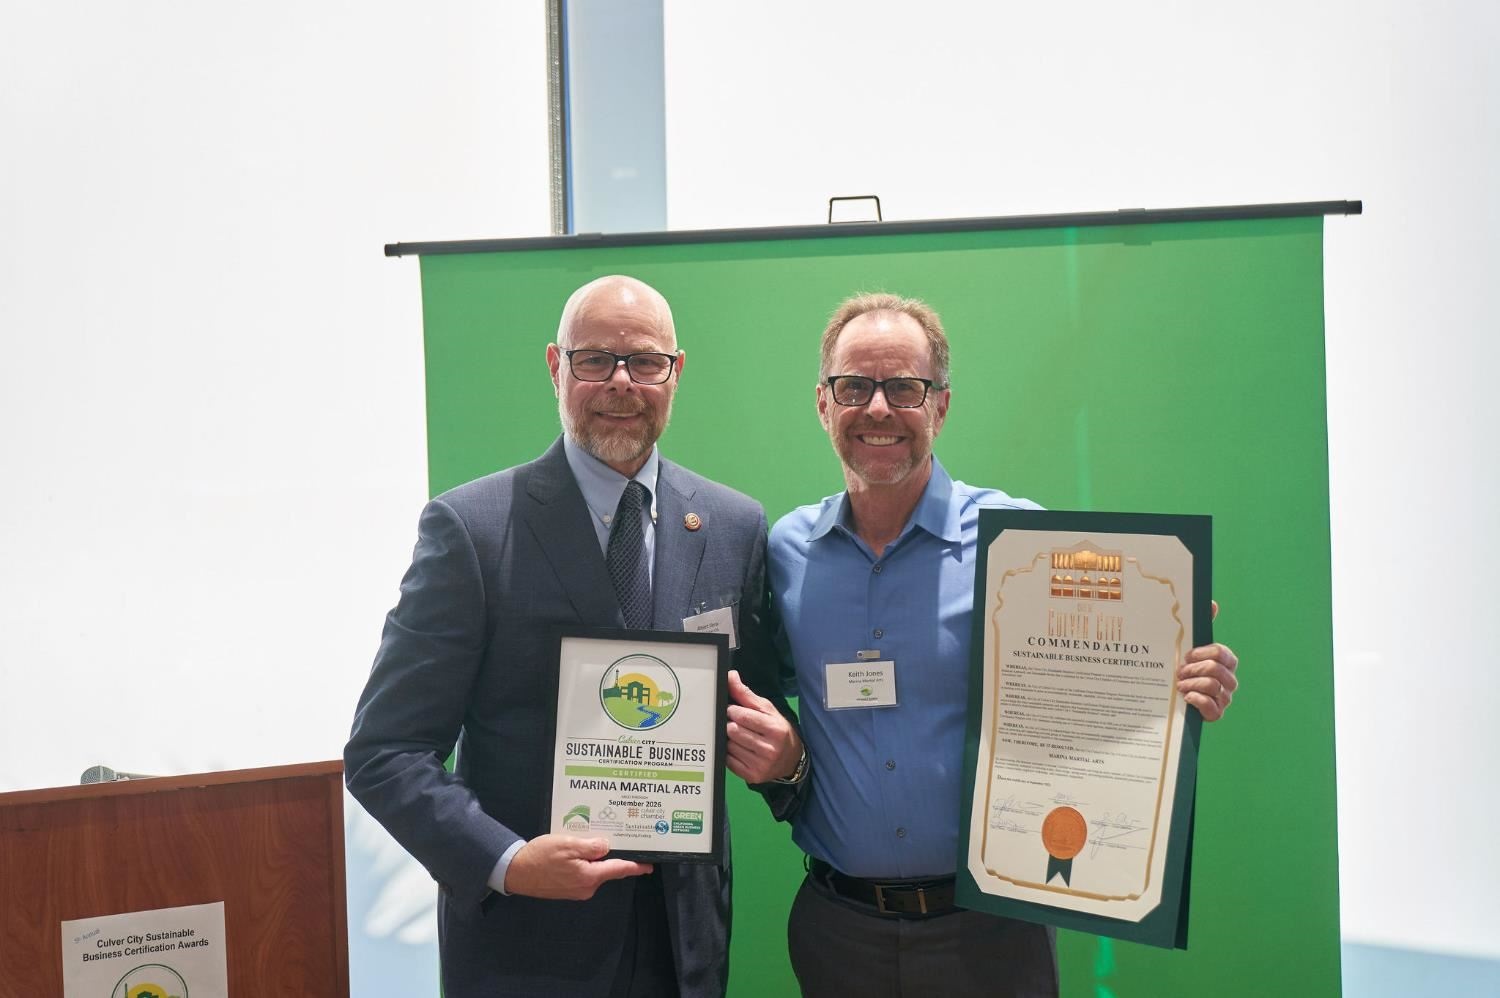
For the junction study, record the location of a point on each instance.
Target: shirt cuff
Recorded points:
(497, 877)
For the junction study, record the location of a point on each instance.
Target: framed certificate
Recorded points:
(1081, 756)
(639, 742)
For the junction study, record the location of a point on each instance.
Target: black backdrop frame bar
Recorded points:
(1123, 216)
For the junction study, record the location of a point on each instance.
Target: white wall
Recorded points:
(211, 379)
(960, 109)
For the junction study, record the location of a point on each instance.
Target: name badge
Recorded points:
(859, 684)
(720, 621)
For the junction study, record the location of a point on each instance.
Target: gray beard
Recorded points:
(621, 447)
(889, 473)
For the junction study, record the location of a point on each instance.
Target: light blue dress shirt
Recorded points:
(602, 487)
(884, 799)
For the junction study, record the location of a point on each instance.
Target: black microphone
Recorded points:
(103, 774)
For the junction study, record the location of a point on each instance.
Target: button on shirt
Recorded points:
(602, 487)
(886, 781)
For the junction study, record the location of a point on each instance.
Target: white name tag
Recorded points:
(720, 621)
(860, 684)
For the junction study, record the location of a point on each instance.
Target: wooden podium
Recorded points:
(269, 843)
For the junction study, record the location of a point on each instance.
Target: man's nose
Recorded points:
(620, 376)
(878, 407)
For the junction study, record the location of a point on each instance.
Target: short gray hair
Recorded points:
(880, 301)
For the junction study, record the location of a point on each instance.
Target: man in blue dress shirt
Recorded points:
(885, 570)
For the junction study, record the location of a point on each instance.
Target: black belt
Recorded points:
(898, 898)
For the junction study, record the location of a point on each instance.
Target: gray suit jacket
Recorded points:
(467, 659)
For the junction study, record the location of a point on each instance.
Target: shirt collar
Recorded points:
(835, 513)
(936, 513)
(602, 485)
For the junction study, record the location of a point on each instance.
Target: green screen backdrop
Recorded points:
(1164, 366)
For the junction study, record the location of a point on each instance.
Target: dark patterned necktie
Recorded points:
(626, 557)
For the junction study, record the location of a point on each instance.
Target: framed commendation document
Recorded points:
(1081, 755)
(638, 746)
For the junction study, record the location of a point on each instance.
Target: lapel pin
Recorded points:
(692, 521)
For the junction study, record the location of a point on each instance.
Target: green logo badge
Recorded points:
(639, 692)
(577, 819)
(687, 822)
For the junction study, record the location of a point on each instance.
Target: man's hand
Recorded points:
(565, 868)
(1207, 678)
(763, 745)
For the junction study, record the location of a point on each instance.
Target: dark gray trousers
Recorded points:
(840, 949)
(646, 967)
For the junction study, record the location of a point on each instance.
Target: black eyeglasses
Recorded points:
(599, 365)
(900, 393)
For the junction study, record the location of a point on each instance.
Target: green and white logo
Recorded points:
(577, 819)
(639, 692)
(687, 822)
(151, 980)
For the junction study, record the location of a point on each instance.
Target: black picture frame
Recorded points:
(645, 643)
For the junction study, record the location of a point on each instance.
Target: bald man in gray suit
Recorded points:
(467, 659)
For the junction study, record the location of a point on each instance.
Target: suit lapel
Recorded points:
(558, 518)
(679, 551)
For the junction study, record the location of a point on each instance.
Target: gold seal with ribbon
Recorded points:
(1064, 834)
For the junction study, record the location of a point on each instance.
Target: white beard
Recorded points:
(621, 445)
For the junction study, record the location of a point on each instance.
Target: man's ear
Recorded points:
(940, 411)
(554, 364)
